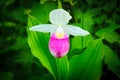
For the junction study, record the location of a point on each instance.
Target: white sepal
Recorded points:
(43, 28)
(76, 31)
(59, 17)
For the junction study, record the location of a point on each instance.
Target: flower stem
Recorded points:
(82, 25)
(58, 68)
(59, 4)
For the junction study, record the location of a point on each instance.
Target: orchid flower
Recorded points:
(59, 32)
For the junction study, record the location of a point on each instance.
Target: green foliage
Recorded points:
(109, 33)
(41, 11)
(24, 54)
(81, 42)
(6, 76)
(88, 64)
(112, 60)
(41, 52)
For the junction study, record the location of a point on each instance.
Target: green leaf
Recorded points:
(87, 21)
(100, 19)
(77, 13)
(110, 28)
(112, 37)
(109, 6)
(25, 59)
(19, 15)
(109, 34)
(6, 76)
(81, 42)
(90, 1)
(38, 43)
(88, 65)
(6, 3)
(20, 44)
(43, 77)
(112, 60)
(70, 1)
(41, 11)
(43, 1)
(63, 67)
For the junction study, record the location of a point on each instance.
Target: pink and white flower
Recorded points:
(60, 32)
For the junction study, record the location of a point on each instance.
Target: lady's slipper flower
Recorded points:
(60, 31)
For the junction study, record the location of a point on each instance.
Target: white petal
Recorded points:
(59, 17)
(76, 31)
(43, 28)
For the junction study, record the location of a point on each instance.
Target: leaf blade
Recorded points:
(87, 60)
(112, 60)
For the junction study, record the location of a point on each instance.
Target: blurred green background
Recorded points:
(16, 60)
